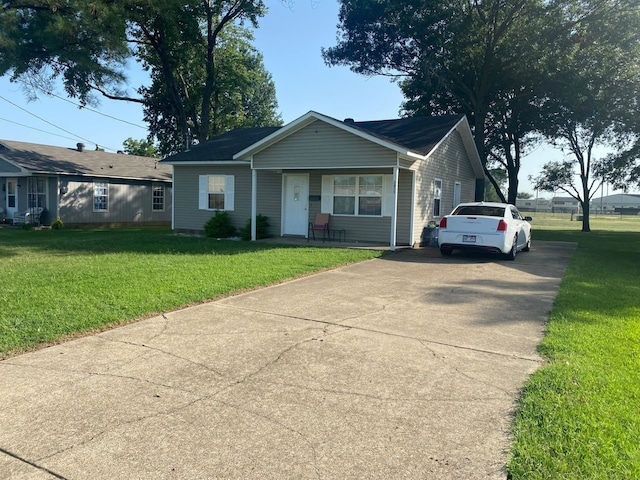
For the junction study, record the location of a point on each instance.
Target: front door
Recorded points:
(295, 202)
(12, 197)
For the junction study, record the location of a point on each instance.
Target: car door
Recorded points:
(518, 227)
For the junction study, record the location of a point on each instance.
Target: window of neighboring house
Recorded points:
(437, 196)
(158, 198)
(216, 192)
(358, 195)
(37, 192)
(100, 197)
(11, 194)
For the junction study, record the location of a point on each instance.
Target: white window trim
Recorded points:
(437, 195)
(203, 193)
(387, 195)
(164, 194)
(100, 210)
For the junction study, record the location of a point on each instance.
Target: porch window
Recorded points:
(158, 198)
(37, 192)
(358, 195)
(216, 192)
(100, 197)
(437, 196)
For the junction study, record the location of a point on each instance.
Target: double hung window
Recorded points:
(437, 197)
(216, 192)
(37, 192)
(100, 197)
(157, 200)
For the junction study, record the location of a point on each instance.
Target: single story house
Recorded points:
(82, 187)
(380, 181)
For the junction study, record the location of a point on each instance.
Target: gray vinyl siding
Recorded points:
(451, 164)
(188, 216)
(269, 201)
(6, 167)
(320, 145)
(130, 202)
(403, 219)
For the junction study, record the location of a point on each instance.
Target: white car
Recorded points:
(485, 226)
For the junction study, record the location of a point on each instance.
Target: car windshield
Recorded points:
(480, 210)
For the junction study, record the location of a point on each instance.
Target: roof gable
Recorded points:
(46, 159)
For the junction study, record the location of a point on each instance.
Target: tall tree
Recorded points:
(141, 148)
(593, 97)
(455, 57)
(87, 44)
(243, 95)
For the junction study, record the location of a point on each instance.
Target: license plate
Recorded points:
(469, 238)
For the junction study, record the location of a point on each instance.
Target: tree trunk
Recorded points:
(585, 216)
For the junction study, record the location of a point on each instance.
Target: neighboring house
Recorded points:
(381, 181)
(621, 203)
(533, 204)
(83, 187)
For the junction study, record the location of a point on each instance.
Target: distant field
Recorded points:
(563, 221)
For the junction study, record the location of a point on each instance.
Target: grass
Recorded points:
(579, 416)
(56, 284)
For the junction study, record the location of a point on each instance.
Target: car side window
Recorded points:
(515, 214)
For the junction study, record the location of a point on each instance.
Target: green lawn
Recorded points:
(579, 416)
(58, 283)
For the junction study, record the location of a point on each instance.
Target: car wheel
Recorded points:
(511, 255)
(527, 247)
(446, 251)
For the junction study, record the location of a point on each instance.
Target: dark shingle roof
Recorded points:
(59, 160)
(417, 134)
(224, 146)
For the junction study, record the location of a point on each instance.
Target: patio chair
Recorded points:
(319, 224)
(31, 215)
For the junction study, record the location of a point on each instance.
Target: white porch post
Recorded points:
(394, 212)
(254, 203)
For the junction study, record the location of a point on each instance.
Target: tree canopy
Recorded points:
(191, 49)
(591, 100)
(502, 63)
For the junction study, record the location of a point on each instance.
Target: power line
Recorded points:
(38, 129)
(52, 124)
(92, 110)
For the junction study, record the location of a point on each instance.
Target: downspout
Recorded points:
(394, 212)
(254, 202)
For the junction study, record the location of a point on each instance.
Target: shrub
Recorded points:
(219, 226)
(262, 228)
(57, 224)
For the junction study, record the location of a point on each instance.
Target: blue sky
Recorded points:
(290, 37)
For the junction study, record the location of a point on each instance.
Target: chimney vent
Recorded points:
(349, 120)
(80, 147)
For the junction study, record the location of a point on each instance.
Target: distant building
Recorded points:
(533, 204)
(565, 205)
(619, 203)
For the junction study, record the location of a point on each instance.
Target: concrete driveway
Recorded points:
(403, 367)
